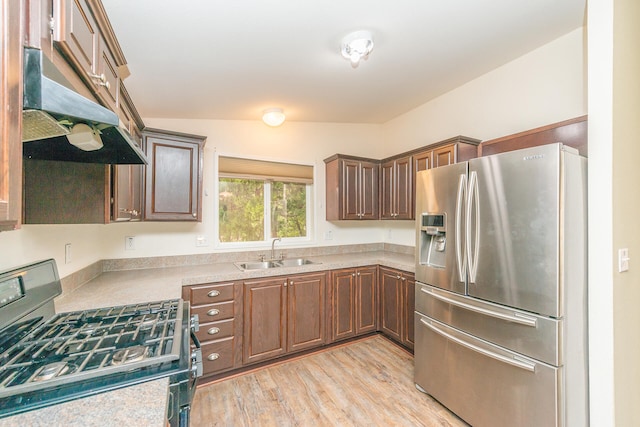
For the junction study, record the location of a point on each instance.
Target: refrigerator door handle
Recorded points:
(522, 364)
(460, 260)
(515, 318)
(472, 202)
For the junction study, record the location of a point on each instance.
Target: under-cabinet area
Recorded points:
(258, 320)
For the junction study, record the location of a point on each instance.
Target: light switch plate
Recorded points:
(623, 260)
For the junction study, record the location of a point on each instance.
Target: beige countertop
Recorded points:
(138, 405)
(145, 404)
(155, 284)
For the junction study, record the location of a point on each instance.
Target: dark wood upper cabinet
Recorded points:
(352, 188)
(173, 181)
(10, 114)
(571, 132)
(396, 189)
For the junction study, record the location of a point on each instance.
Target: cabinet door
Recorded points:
(343, 295)
(409, 289)
(391, 303)
(350, 189)
(76, 33)
(365, 301)
(173, 178)
(10, 114)
(444, 156)
(403, 188)
(422, 161)
(264, 335)
(369, 190)
(306, 311)
(127, 192)
(387, 181)
(107, 80)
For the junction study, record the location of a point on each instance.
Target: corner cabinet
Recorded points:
(351, 188)
(173, 179)
(353, 302)
(283, 315)
(10, 114)
(397, 304)
(396, 188)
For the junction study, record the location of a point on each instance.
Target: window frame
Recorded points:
(266, 242)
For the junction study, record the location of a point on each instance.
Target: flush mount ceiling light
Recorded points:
(273, 116)
(356, 46)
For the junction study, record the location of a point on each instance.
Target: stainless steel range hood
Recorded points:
(51, 108)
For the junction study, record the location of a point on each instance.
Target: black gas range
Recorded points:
(48, 358)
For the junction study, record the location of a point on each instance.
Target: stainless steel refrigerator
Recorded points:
(501, 292)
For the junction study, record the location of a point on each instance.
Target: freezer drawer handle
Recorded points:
(522, 364)
(516, 318)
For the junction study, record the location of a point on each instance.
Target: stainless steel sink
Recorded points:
(294, 262)
(257, 265)
(262, 265)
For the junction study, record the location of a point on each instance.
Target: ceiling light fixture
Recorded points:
(356, 46)
(273, 116)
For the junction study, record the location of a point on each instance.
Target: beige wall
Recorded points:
(545, 86)
(626, 209)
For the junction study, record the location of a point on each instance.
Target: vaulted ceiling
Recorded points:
(230, 60)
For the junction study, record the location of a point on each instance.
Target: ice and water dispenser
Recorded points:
(433, 240)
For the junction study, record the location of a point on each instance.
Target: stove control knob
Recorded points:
(195, 323)
(196, 363)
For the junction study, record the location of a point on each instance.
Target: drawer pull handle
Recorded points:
(213, 331)
(213, 312)
(213, 356)
(213, 293)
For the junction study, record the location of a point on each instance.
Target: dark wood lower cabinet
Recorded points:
(243, 323)
(283, 315)
(354, 298)
(391, 303)
(397, 304)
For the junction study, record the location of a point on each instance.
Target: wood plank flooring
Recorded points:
(364, 383)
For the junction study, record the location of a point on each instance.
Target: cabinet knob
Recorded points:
(213, 356)
(291, 283)
(101, 78)
(213, 312)
(194, 214)
(213, 331)
(398, 276)
(285, 283)
(353, 274)
(214, 293)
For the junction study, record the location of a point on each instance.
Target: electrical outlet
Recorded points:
(202, 241)
(328, 235)
(129, 243)
(67, 253)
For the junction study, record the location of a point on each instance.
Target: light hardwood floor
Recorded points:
(364, 383)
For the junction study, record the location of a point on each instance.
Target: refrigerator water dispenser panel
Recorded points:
(433, 240)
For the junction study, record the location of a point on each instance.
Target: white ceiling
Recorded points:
(214, 59)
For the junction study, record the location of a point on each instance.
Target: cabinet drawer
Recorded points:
(209, 294)
(217, 355)
(213, 312)
(215, 330)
